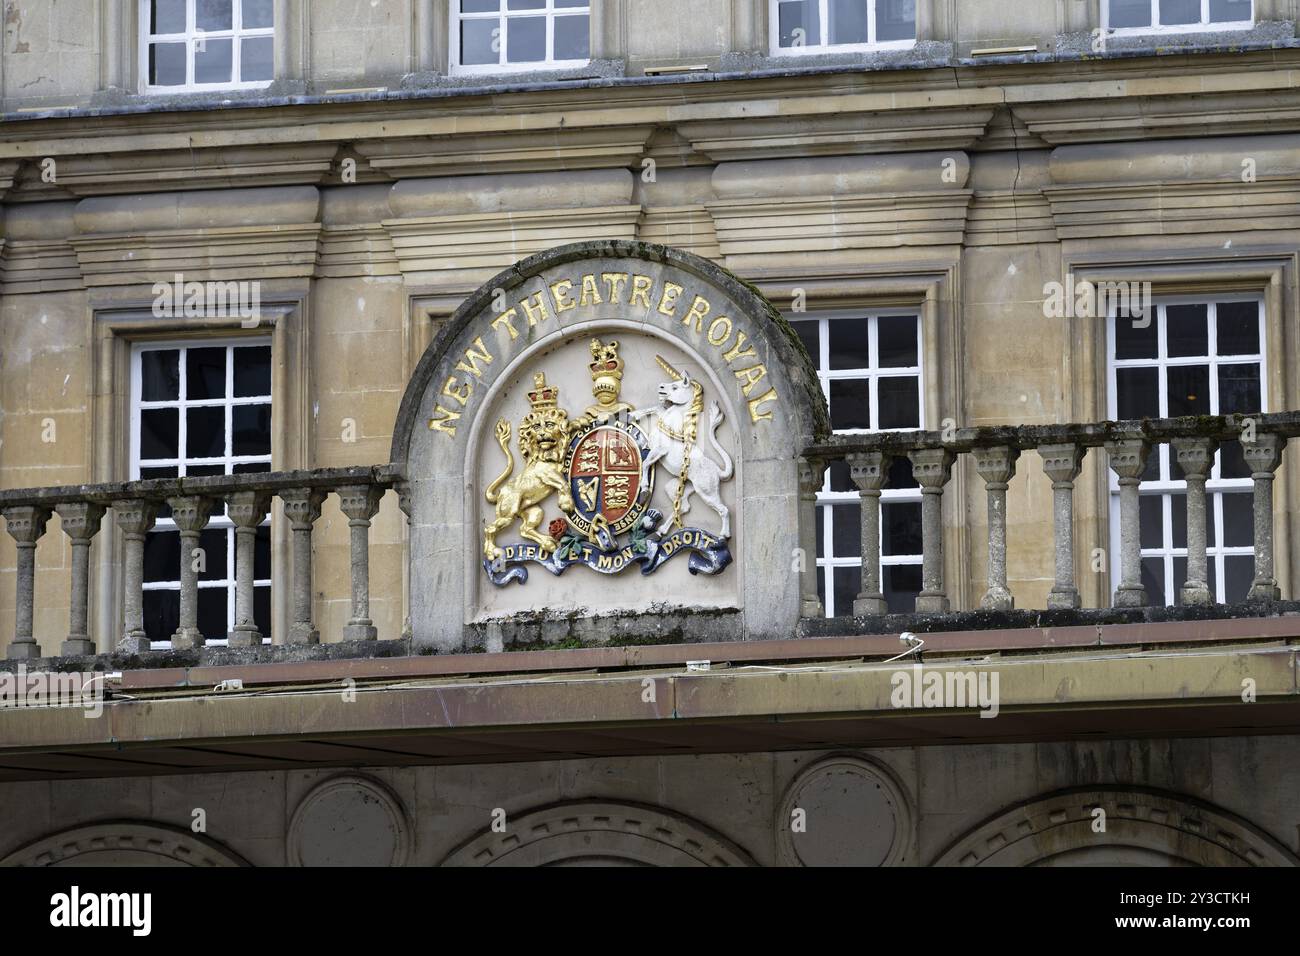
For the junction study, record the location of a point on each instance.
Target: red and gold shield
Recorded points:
(604, 468)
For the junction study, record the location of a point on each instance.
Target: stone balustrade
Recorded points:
(996, 452)
(247, 501)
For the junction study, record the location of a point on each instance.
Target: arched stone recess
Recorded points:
(123, 843)
(605, 833)
(1142, 828)
(538, 338)
(846, 811)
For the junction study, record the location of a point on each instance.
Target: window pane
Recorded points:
(262, 610)
(262, 555)
(162, 614)
(900, 474)
(849, 343)
(477, 40)
(257, 60)
(1135, 342)
(168, 16)
(167, 64)
(841, 477)
(848, 582)
(205, 374)
(213, 543)
(1238, 573)
(1153, 579)
(809, 333)
(159, 433)
(205, 435)
(252, 430)
(1130, 13)
(1187, 330)
(846, 530)
(799, 23)
(480, 6)
(900, 403)
(1238, 520)
(1180, 578)
(213, 15)
(214, 64)
(1178, 520)
(851, 404)
(160, 377)
(901, 583)
(895, 20)
(1237, 325)
(571, 3)
(162, 557)
(900, 528)
(252, 372)
(258, 14)
(896, 339)
(1151, 520)
(212, 613)
(847, 20)
(525, 4)
(1180, 11)
(1189, 390)
(572, 38)
(1239, 389)
(262, 468)
(525, 39)
(1230, 11)
(1137, 393)
(1232, 463)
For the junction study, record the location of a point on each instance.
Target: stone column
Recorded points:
(247, 510)
(25, 524)
(997, 466)
(404, 503)
(1195, 456)
(811, 474)
(135, 517)
(1128, 459)
(1061, 463)
(191, 516)
(360, 503)
(869, 473)
(1263, 455)
(931, 467)
(80, 521)
(302, 508)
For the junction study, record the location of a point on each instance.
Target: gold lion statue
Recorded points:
(544, 436)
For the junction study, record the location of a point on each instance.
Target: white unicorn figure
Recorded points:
(673, 442)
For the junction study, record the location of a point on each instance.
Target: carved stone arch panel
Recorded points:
(1142, 828)
(606, 833)
(123, 843)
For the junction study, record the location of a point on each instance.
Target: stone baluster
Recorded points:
(1263, 455)
(302, 508)
(1061, 463)
(136, 517)
(1195, 456)
(191, 515)
(931, 467)
(80, 522)
(1128, 459)
(997, 466)
(404, 503)
(25, 524)
(811, 474)
(869, 472)
(247, 511)
(360, 503)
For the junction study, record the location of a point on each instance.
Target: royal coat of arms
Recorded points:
(600, 469)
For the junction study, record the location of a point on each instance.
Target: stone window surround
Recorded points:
(118, 324)
(1194, 272)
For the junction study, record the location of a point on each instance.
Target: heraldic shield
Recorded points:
(599, 470)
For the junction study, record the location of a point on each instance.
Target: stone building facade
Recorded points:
(251, 250)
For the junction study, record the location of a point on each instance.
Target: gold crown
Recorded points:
(543, 395)
(607, 369)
